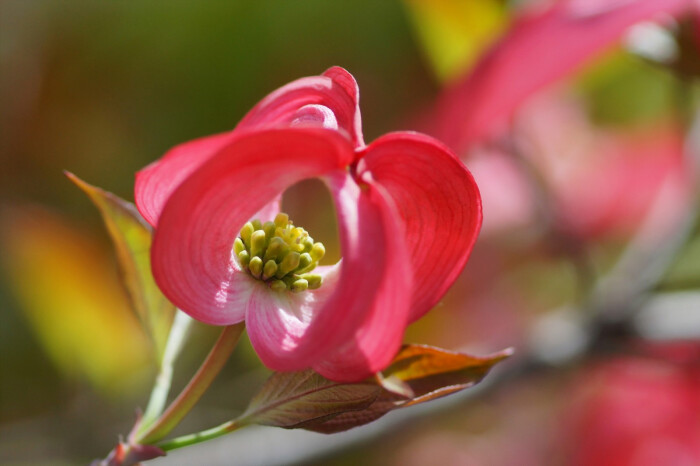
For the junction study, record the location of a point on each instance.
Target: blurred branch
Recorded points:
(649, 255)
(555, 229)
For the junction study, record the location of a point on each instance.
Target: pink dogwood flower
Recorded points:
(408, 213)
(605, 425)
(543, 45)
(570, 154)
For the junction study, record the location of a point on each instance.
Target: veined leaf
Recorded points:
(292, 399)
(430, 373)
(429, 370)
(418, 374)
(132, 240)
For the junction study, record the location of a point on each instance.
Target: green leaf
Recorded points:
(131, 235)
(293, 399)
(418, 374)
(684, 272)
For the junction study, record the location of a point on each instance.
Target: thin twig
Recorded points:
(194, 390)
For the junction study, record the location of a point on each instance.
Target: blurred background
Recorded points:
(578, 120)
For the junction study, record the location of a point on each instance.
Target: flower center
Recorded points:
(279, 254)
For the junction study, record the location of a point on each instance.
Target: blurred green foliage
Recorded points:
(624, 90)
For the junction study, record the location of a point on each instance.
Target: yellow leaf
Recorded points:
(67, 287)
(131, 236)
(454, 33)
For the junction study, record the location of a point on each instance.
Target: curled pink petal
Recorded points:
(438, 202)
(538, 49)
(330, 100)
(191, 253)
(342, 78)
(278, 321)
(335, 89)
(156, 182)
(379, 337)
(315, 115)
(370, 290)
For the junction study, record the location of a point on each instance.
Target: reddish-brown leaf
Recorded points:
(293, 399)
(417, 374)
(427, 369)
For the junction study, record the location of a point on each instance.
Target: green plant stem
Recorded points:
(194, 390)
(159, 395)
(202, 436)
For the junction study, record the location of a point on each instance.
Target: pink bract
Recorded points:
(606, 427)
(541, 46)
(571, 156)
(408, 214)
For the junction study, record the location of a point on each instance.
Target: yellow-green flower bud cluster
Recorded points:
(279, 254)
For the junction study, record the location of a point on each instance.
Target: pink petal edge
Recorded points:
(335, 94)
(157, 181)
(191, 254)
(438, 202)
(335, 89)
(379, 338)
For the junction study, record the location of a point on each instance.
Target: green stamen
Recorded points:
(304, 261)
(308, 244)
(300, 285)
(269, 229)
(281, 220)
(289, 263)
(278, 285)
(255, 266)
(318, 251)
(314, 280)
(279, 254)
(258, 243)
(276, 250)
(238, 246)
(269, 270)
(246, 231)
(244, 258)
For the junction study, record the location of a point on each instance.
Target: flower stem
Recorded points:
(194, 390)
(159, 394)
(202, 436)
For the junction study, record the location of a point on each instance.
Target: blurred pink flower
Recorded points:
(408, 213)
(636, 412)
(603, 182)
(546, 43)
